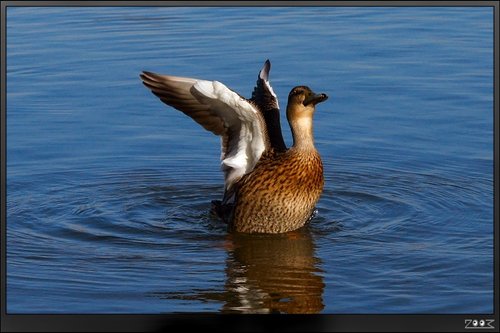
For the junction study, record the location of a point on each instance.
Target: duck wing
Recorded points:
(264, 97)
(221, 111)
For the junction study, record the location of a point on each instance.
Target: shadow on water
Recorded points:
(267, 274)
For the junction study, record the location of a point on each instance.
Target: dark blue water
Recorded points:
(108, 190)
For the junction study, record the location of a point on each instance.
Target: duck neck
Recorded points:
(302, 132)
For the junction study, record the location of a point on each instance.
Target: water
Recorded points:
(108, 190)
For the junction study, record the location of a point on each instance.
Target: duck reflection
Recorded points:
(273, 274)
(266, 273)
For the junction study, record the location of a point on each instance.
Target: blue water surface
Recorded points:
(109, 190)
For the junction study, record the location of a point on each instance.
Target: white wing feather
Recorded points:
(211, 103)
(246, 143)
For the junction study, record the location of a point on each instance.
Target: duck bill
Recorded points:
(315, 99)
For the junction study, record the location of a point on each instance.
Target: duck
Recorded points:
(269, 188)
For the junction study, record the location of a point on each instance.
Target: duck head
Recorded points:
(305, 96)
(301, 106)
(302, 101)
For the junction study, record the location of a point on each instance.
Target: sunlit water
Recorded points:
(108, 190)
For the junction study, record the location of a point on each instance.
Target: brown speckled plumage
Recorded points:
(269, 189)
(280, 194)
